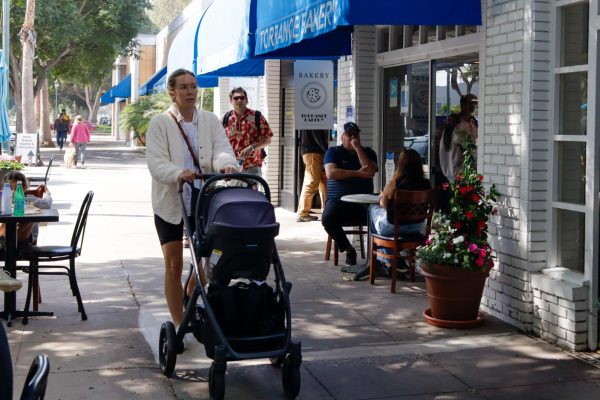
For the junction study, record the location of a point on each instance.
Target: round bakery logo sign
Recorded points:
(313, 95)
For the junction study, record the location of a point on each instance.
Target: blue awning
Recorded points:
(182, 53)
(120, 91)
(150, 85)
(324, 26)
(225, 41)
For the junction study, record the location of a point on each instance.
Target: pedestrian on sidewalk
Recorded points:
(313, 145)
(248, 132)
(80, 137)
(61, 127)
(181, 143)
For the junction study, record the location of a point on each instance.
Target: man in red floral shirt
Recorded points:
(246, 138)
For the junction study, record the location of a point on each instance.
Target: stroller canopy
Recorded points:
(241, 207)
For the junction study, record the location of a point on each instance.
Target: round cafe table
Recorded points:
(365, 199)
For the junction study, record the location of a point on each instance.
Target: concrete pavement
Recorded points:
(359, 341)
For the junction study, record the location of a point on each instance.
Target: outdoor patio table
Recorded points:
(365, 199)
(10, 255)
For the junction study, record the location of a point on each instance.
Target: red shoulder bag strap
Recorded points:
(187, 142)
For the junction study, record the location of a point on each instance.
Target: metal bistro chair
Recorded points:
(34, 387)
(410, 206)
(44, 254)
(37, 379)
(43, 179)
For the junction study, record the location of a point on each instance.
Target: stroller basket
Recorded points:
(251, 316)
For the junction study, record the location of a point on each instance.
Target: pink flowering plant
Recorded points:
(460, 237)
(9, 163)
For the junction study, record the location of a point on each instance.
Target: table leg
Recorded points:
(364, 271)
(10, 264)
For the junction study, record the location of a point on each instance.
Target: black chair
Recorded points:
(43, 179)
(44, 254)
(35, 384)
(37, 379)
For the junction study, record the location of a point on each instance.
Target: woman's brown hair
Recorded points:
(409, 169)
(16, 176)
(176, 74)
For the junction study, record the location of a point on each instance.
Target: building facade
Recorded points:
(534, 65)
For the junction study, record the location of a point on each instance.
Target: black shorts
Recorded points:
(168, 232)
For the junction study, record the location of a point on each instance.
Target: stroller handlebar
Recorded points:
(210, 178)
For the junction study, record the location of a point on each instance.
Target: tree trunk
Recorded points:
(15, 80)
(28, 40)
(45, 133)
(37, 105)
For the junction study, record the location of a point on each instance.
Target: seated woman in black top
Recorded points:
(408, 176)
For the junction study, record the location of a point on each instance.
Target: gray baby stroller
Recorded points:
(240, 316)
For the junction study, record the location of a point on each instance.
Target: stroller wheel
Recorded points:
(167, 348)
(216, 383)
(277, 361)
(290, 377)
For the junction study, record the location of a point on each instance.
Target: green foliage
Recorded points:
(137, 115)
(165, 11)
(8, 163)
(78, 40)
(460, 238)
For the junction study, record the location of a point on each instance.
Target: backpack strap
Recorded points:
(226, 118)
(257, 115)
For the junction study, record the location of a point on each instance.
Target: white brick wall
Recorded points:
(515, 59)
(356, 83)
(560, 311)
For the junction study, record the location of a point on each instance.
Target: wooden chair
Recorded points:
(410, 206)
(44, 254)
(353, 230)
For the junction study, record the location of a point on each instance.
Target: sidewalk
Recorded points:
(359, 341)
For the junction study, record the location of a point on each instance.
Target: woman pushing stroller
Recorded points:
(181, 143)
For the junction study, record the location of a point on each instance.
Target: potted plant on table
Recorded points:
(457, 258)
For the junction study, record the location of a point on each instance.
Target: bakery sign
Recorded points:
(313, 87)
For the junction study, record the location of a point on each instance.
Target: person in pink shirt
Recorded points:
(80, 137)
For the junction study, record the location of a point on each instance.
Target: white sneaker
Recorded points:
(7, 282)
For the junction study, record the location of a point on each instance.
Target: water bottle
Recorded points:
(19, 206)
(6, 199)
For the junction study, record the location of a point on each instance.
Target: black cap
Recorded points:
(351, 127)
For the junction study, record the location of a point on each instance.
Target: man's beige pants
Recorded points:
(314, 181)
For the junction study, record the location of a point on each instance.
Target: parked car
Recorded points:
(420, 144)
(105, 121)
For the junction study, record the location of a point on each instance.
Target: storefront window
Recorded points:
(574, 35)
(573, 103)
(570, 239)
(571, 204)
(454, 77)
(406, 109)
(571, 172)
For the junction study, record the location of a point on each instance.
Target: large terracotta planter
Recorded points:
(454, 295)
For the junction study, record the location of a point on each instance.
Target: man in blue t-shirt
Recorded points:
(350, 169)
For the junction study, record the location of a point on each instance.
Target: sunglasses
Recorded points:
(239, 98)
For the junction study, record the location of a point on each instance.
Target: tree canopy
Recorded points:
(165, 11)
(78, 40)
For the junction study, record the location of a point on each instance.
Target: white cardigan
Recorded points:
(165, 149)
